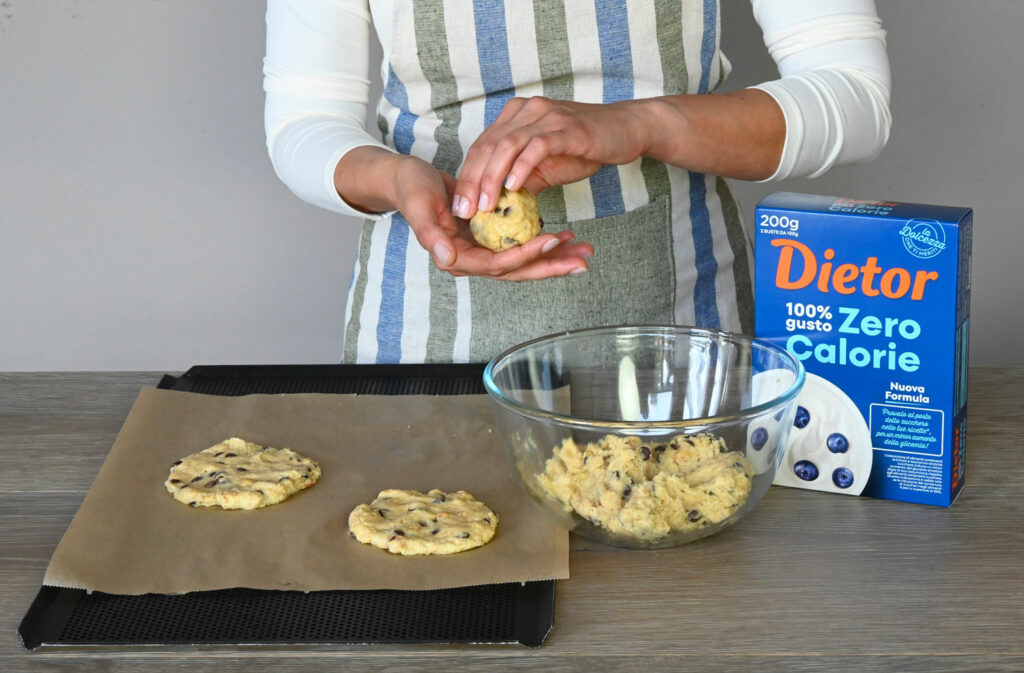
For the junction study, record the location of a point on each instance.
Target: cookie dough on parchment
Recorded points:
(413, 523)
(236, 474)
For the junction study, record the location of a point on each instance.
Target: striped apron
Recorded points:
(669, 244)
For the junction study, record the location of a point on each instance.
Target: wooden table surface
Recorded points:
(807, 582)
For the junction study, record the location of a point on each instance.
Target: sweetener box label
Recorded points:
(874, 298)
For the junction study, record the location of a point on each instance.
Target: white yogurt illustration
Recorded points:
(829, 445)
(762, 435)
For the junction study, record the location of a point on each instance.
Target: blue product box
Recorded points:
(874, 298)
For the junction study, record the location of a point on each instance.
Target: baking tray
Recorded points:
(507, 614)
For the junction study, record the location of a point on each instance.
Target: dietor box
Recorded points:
(874, 298)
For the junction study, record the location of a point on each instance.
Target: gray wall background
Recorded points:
(142, 226)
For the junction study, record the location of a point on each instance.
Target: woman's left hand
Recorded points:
(539, 142)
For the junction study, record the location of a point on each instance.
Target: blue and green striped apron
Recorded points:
(669, 244)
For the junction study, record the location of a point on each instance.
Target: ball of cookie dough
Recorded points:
(514, 221)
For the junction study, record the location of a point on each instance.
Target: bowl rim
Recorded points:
(576, 421)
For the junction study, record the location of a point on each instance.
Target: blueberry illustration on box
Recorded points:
(873, 297)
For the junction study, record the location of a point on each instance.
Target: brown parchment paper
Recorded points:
(131, 537)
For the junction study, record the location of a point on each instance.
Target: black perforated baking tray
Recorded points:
(515, 613)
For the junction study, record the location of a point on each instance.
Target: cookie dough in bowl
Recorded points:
(643, 436)
(514, 221)
(647, 490)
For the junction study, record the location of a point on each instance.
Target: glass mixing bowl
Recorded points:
(645, 436)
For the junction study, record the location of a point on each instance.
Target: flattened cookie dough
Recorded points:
(513, 222)
(413, 523)
(644, 489)
(237, 474)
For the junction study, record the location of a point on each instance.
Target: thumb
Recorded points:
(432, 236)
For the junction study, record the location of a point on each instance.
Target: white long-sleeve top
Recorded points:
(833, 88)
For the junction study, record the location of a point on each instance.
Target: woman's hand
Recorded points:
(539, 142)
(376, 180)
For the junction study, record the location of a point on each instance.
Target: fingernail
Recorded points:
(456, 205)
(463, 207)
(510, 182)
(485, 203)
(576, 272)
(442, 254)
(550, 245)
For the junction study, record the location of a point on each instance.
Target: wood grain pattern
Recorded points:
(807, 582)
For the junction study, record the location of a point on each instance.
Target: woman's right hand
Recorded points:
(376, 180)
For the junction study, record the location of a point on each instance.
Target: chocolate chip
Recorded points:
(540, 221)
(196, 479)
(175, 481)
(694, 516)
(241, 469)
(212, 483)
(435, 531)
(177, 462)
(230, 455)
(462, 535)
(487, 519)
(625, 493)
(617, 474)
(218, 454)
(424, 523)
(398, 531)
(193, 504)
(646, 451)
(439, 499)
(507, 211)
(382, 512)
(509, 241)
(260, 492)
